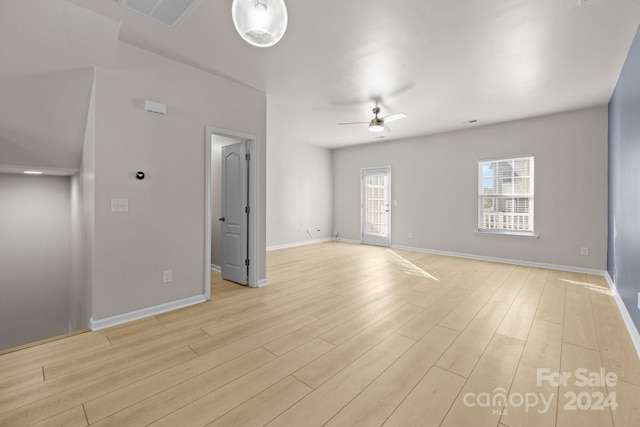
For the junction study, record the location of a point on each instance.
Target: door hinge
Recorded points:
(246, 262)
(247, 156)
(247, 210)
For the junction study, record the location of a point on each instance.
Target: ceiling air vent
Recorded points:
(168, 12)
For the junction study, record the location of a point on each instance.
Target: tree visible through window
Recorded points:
(505, 195)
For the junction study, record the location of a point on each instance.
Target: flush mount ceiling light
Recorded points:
(261, 23)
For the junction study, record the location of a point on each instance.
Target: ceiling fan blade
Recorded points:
(387, 128)
(393, 117)
(354, 123)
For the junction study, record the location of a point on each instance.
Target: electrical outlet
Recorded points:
(167, 276)
(410, 235)
(638, 300)
(584, 251)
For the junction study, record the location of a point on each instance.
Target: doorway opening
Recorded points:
(376, 211)
(238, 252)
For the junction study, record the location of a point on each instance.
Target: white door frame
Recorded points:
(386, 170)
(253, 204)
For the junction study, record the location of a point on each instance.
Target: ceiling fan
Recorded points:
(378, 124)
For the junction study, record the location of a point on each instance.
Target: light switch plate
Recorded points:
(119, 205)
(167, 276)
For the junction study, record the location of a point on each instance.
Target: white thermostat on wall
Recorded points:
(155, 107)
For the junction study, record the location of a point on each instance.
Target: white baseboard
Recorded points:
(457, 254)
(261, 283)
(631, 327)
(505, 260)
(355, 242)
(108, 322)
(296, 244)
(216, 268)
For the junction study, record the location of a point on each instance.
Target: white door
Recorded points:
(376, 214)
(235, 213)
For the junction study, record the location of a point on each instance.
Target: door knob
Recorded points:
(221, 218)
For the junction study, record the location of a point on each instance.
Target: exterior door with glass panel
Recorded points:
(376, 211)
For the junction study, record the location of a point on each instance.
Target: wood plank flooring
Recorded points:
(347, 335)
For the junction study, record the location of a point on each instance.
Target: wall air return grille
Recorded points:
(168, 12)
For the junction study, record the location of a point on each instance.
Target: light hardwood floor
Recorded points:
(346, 335)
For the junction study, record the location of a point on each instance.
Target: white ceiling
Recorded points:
(48, 50)
(441, 62)
(35, 131)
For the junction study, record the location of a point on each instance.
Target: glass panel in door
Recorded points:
(375, 206)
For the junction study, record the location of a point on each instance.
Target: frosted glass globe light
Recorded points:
(261, 23)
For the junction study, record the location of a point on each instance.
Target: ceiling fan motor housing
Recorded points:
(376, 125)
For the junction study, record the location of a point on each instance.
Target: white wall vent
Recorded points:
(168, 12)
(155, 107)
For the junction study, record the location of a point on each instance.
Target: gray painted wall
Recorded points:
(35, 257)
(78, 301)
(82, 225)
(300, 193)
(88, 178)
(165, 226)
(434, 181)
(624, 183)
(55, 145)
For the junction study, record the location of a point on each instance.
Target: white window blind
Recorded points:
(505, 195)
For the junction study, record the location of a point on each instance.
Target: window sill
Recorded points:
(507, 234)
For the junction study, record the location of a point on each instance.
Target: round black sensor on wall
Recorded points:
(140, 175)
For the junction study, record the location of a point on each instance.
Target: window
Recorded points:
(377, 207)
(505, 195)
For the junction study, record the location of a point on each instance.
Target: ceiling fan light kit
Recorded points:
(376, 125)
(261, 23)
